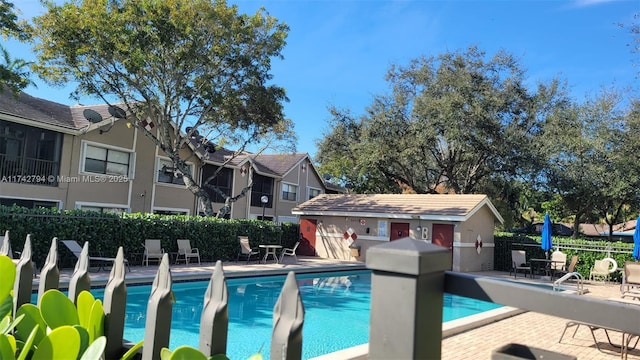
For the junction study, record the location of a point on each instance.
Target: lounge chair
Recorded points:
(601, 269)
(185, 251)
(519, 263)
(630, 286)
(626, 337)
(290, 252)
(103, 263)
(152, 250)
(246, 251)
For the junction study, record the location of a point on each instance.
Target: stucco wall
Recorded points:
(114, 191)
(331, 242)
(301, 176)
(330, 234)
(480, 224)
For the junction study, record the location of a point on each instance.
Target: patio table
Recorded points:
(270, 250)
(544, 265)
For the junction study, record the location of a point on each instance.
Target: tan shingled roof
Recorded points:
(266, 164)
(423, 206)
(64, 118)
(36, 109)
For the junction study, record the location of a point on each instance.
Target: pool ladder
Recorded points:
(572, 275)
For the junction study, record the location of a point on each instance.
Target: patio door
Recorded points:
(399, 231)
(307, 237)
(443, 235)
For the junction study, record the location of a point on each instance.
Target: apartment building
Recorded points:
(89, 157)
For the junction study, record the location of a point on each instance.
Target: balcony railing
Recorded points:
(22, 169)
(409, 280)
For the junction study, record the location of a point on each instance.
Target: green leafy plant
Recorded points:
(190, 353)
(57, 329)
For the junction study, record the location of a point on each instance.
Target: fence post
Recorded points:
(115, 304)
(288, 318)
(5, 247)
(159, 307)
(214, 321)
(407, 289)
(49, 275)
(80, 278)
(22, 287)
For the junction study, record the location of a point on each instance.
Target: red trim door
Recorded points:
(399, 231)
(307, 245)
(443, 235)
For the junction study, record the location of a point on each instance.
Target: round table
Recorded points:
(270, 250)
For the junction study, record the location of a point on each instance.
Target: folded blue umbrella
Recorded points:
(547, 227)
(636, 240)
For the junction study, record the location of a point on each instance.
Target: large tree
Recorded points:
(14, 73)
(590, 165)
(450, 123)
(197, 69)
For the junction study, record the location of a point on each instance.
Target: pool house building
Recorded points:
(345, 226)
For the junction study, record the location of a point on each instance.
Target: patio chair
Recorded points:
(103, 263)
(631, 279)
(519, 263)
(246, 251)
(185, 251)
(601, 269)
(152, 250)
(290, 252)
(571, 268)
(558, 263)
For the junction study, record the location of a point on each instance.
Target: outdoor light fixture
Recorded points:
(264, 200)
(419, 228)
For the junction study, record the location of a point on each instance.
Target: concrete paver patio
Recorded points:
(540, 331)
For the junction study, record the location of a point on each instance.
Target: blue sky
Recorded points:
(338, 51)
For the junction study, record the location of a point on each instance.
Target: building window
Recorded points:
(289, 192)
(382, 228)
(30, 204)
(223, 181)
(170, 212)
(103, 210)
(100, 160)
(167, 173)
(28, 153)
(262, 185)
(314, 192)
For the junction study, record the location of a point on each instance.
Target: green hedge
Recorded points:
(505, 242)
(215, 238)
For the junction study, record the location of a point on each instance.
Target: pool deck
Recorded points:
(469, 339)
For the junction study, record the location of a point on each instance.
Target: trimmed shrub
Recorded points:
(215, 238)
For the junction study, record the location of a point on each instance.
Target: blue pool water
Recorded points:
(336, 312)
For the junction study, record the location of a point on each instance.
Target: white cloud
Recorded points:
(586, 3)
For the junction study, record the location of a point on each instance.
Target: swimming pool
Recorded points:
(336, 312)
